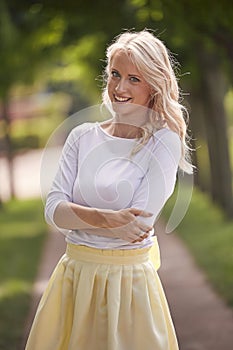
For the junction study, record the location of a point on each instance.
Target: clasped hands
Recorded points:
(125, 225)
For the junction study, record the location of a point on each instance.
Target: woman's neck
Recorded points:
(122, 130)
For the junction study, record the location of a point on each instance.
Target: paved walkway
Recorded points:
(26, 172)
(54, 248)
(202, 320)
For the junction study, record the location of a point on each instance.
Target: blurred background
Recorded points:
(51, 61)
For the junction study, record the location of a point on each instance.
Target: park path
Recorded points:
(201, 318)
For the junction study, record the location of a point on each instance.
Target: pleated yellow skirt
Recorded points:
(104, 300)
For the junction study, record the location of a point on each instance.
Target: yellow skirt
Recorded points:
(104, 300)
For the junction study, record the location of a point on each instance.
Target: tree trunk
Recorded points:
(200, 155)
(213, 90)
(8, 146)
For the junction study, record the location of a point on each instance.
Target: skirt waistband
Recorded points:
(114, 257)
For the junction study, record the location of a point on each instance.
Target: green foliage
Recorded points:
(28, 43)
(80, 64)
(208, 235)
(148, 11)
(49, 35)
(21, 238)
(189, 27)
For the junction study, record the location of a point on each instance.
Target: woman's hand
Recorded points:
(125, 225)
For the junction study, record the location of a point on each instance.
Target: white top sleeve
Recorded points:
(63, 182)
(159, 182)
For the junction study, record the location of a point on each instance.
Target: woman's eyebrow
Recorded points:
(134, 75)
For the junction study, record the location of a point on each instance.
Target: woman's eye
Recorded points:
(115, 74)
(134, 79)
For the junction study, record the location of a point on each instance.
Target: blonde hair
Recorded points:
(152, 59)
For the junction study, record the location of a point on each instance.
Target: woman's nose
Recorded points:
(121, 86)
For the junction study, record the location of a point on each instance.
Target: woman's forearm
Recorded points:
(72, 216)
(109, 223)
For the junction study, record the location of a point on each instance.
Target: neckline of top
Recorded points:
(125, 138)
(114, 137)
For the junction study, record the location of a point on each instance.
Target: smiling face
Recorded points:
(126, 85)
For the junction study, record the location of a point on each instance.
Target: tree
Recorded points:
(21, 58)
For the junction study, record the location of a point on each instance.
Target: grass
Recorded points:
(209, 236)
(21, 239)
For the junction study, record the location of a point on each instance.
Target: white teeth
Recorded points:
(121, 99)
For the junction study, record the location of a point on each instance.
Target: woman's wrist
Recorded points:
(102, 217)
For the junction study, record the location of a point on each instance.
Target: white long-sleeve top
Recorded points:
(98, 170)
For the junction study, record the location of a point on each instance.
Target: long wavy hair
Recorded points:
(152, 59)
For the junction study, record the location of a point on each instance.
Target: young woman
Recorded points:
(114, 178)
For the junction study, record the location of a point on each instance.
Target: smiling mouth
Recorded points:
(121, 99)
